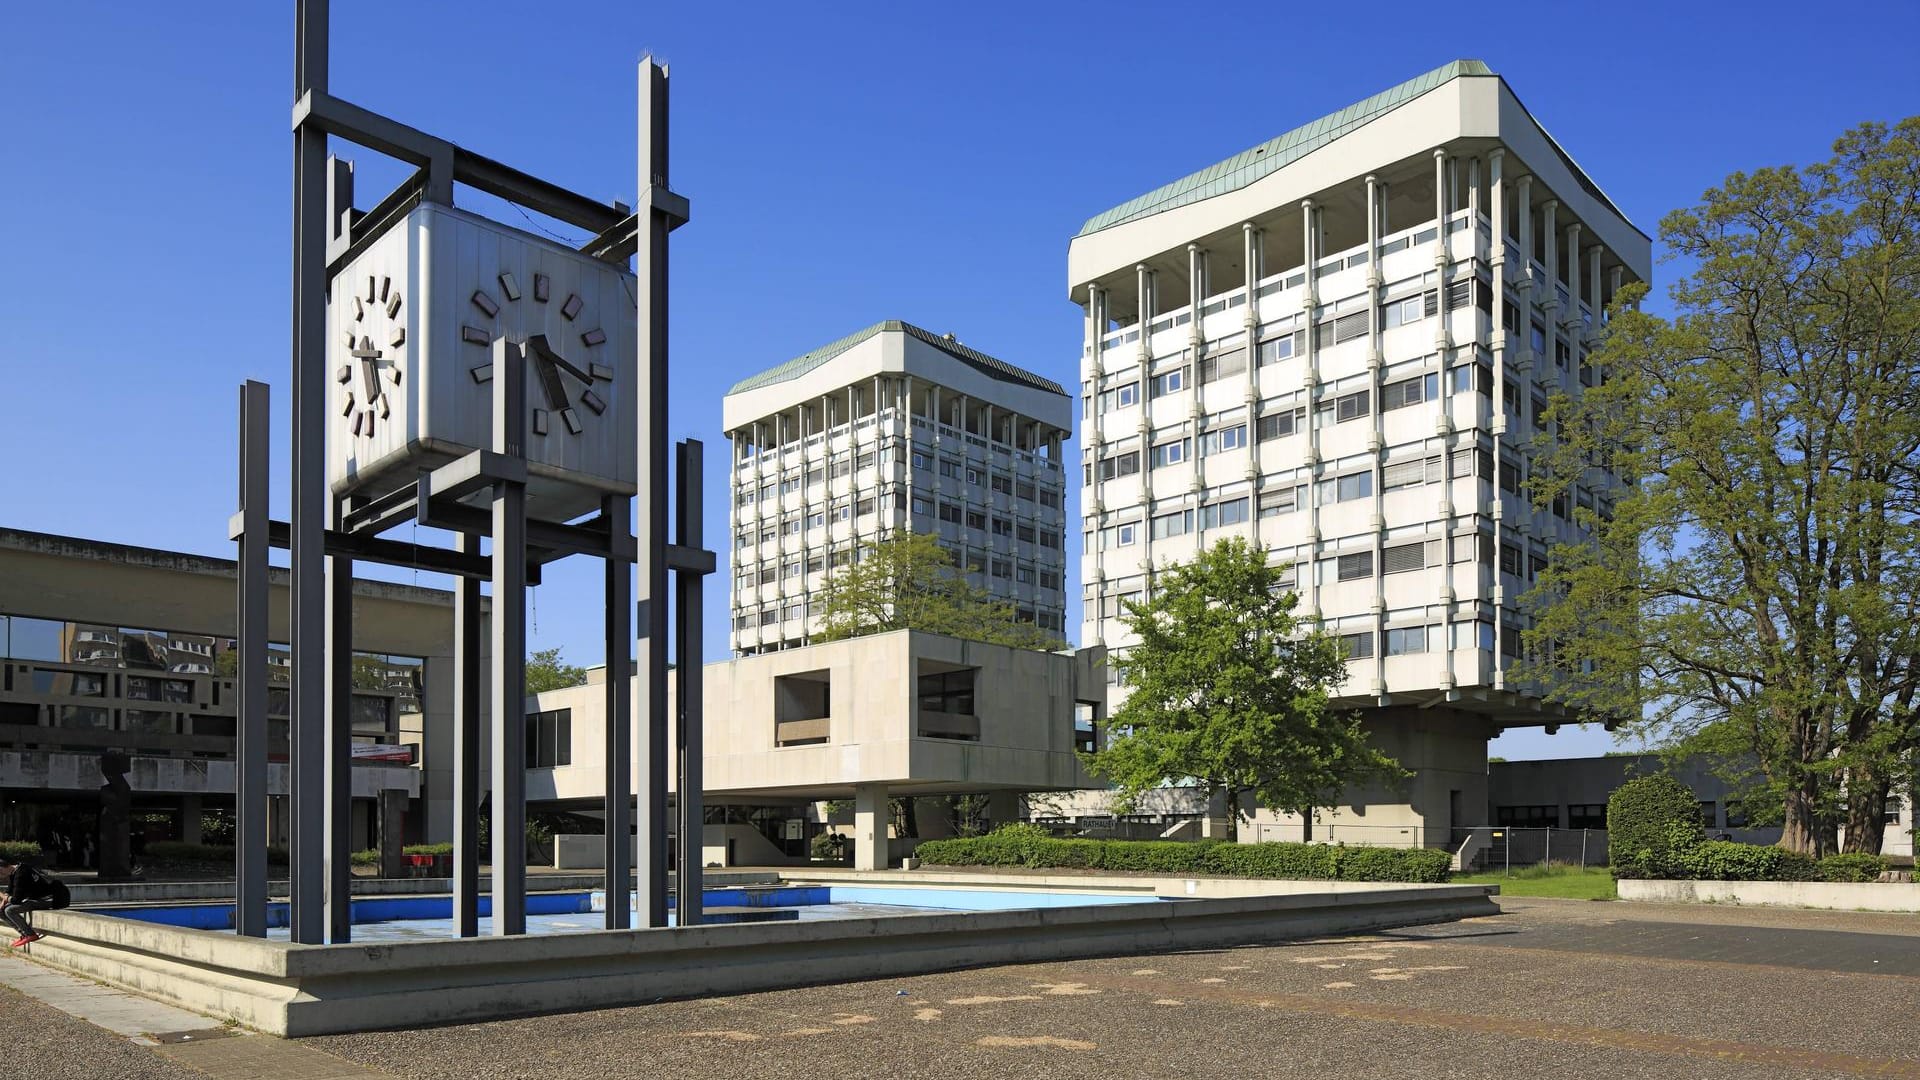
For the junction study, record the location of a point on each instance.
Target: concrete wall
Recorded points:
(42, 770)
(296, 990)
(1841, 896)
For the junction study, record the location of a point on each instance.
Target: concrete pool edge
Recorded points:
(294, 990)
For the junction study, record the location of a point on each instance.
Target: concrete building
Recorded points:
(898, 715)
(1339, 345)
(893, 428)
(112, 647)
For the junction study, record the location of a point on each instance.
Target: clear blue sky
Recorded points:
(846, 162)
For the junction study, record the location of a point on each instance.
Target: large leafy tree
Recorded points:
(1755, 588)
(1232, 694)
(908, 581)
(547, 670)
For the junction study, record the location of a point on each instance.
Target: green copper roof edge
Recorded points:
(1252, 164)
(990, 365)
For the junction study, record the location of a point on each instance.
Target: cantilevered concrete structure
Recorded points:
(1339, 344)
(893, 428)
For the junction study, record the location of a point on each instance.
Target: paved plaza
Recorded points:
(1548, 989)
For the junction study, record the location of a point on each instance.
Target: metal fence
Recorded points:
(1503, 847)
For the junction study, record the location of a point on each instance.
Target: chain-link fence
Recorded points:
(1504, 847)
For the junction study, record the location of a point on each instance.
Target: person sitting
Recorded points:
(28, 890)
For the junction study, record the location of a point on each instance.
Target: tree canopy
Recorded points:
(1232, 694)
(547, 671)
(908, 581)
(1754, 590)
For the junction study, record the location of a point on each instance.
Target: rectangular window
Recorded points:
(1178, 523)
(1527, 817)
(1230, 512)
(1414, 391)
(1467, 377)
(1354, 406)
(1023, 533)
(1051, 538)
(1024, 489)
(1170, 453)
(550, 739)
(951, 468)
(1223, 365)
(1510, 560)
(1594, 816)
(1403, 557)
(1002, 527)
(1050, 579)
(1355, 565)
(1216, 442)
(1280, 348)
(1001, 484)
(1002, 568)
(922, 505)
(1344, 328)
(1170, 383)
(863, 507)
(1402, 474)
(1281, 424)
(976, 520)
(1050, 498)
(921, 461)
(1283, 501)
(950, 513)
(1126, 464)
(1357, 646)
(1346, 488)
(1410, 309)
(1407, 639)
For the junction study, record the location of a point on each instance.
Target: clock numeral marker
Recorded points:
(344, 373)
(593, 337)
(572, 420)
(356, 423)
(372, 285)
(473, 335)
(483, 373)
(539, 421)
(572, 307)
(368, 417)
(346, 409)
(393, 305)
(395, 374)
(384, 411)
(385, 284)
(398, 338)
(601, 372)
(592, 401)
(350, 339)
(541, 288)
(485, 303)
(359, 309)
(509, 288)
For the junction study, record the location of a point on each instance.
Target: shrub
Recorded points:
(1724, 860)
(176, 851)
(369, 857)
(14, 850)
(1852, 866)
(1651, 822)
(1033, 847)
(427, 849)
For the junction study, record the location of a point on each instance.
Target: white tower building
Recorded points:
(1338, 344)
(893, 428)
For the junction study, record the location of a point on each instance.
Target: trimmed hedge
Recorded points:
(15, 850)
(1853, 866)
(369, 857)
(1724, 860)
(176, 851)
(1033, 847)
(1651, 822)
(427, 849)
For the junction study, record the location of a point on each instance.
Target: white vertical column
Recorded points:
(1143, 293)
(1197, 343)
(1501, 344)
(1091, 511)
(1307, 575)
(1250, 264)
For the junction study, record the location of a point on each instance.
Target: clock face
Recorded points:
(376, 351)
(569, 383)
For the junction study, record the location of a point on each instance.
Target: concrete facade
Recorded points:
(901, 714)
(1338, 346)
(893, 428)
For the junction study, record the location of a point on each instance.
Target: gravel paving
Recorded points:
(43, 1042)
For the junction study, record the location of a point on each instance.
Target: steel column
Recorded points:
(619, 727)
(337, 893)
(251, 836)
(309, 520)
(508, 692)
(466, 747)
(687, 696)
(651, 338)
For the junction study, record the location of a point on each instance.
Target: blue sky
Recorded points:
(847, 163)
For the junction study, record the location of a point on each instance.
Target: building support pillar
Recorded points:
(337, 892)
(508, 630)
(253, 816)
(467, 734)
(870, 827)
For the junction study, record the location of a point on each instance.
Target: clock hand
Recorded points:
(538, 343)
(555, 390)
(369, 368)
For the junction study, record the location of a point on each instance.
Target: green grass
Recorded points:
(1555, 879)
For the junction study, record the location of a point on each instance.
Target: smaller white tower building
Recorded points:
(893, 428)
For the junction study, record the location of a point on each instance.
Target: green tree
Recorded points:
(1232, 693)
(1754, 590)
(908, 581)
(547, 671)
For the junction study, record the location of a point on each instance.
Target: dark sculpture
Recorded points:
(116, 818)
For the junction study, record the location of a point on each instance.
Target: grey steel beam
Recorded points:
(309, 494)
(323, 112)
(654, 493)
(618, 859)
(508, 693)
(389, 552)
(250, 781)
(466, 747)
(690, 782)
(338, 891)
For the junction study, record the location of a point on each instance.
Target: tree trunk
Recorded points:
(1866, 811)
(1306, 825)
(1800, 831)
